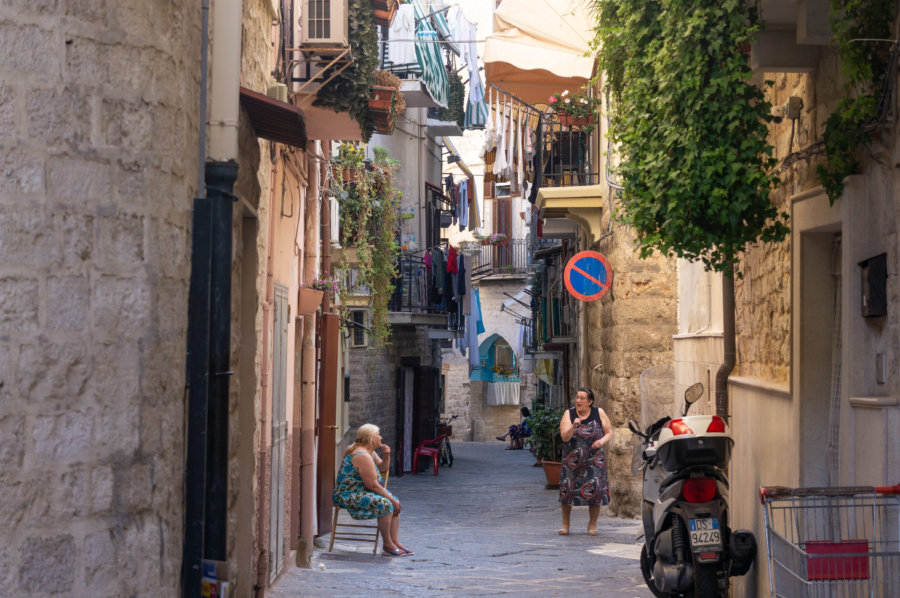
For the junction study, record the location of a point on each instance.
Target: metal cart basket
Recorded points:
(832, 542)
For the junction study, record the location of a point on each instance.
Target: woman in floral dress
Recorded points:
(585, 430)
(359, 488)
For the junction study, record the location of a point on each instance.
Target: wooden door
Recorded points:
(327, 428)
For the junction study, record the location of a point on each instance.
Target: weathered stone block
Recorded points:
(120, 239)
(27, 237)
(99, 557)
(20, 171)
(19, 303)
(62, 436)
(85, 62)
(79, 183)
(8, 121)
(28, 50)
(127, 125)
(12, 445)
(68, 304)
(121, 307)
(58, 116)
(77, 239)
(7, 380)
(8, 566)
(48, 372)
(24, 503)
(48, 564)
(133, 487)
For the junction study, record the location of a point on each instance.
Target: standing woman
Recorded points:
(359, 489)
(585, 430)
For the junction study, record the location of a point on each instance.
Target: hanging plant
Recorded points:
(350, 90)
(369, 211)
(690, 126)
(860, 30)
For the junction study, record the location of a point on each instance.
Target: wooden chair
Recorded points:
(427, 451)
(356, 532)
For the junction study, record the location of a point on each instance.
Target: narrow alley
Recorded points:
(485, 527)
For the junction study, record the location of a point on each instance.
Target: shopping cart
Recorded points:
(832, 542)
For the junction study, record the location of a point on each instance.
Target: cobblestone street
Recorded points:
(485, 527)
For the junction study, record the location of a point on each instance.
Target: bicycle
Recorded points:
(445, 453)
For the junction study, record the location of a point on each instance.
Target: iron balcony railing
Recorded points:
(415, 291)
(570, 152)
(512, 256)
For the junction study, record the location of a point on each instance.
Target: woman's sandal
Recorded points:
(592, 531)
(394, 552)
(563, 531)
(406, 550)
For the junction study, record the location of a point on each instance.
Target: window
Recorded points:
(358, 326)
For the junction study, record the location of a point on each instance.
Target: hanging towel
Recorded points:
(403, 27)
(452, 266)
(472, 336)
(476, 313)
(500, 159)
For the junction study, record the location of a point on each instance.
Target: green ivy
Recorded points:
(350, 91)
(690, 126)
(455, 110)
(865, 65)
(370, 217)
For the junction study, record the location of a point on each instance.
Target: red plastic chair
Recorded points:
(428, 451)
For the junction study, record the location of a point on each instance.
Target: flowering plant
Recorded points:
(577, 105)
(350, 154)
(491, 239)
(323, 283)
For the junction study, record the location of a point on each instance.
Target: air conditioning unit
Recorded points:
(324, 22)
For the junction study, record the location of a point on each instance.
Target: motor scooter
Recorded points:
(689, 549)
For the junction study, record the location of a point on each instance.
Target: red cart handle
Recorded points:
(782, 491)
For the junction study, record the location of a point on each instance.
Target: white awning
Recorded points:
(538, 47)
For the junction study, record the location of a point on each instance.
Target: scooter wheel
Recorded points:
(646, 570)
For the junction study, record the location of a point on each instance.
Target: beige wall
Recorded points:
(98, 150)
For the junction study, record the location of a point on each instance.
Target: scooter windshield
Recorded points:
(657, 402)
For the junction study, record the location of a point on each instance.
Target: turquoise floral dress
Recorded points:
(350, 493)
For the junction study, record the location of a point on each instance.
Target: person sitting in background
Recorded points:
(359, 489)
(517, 433)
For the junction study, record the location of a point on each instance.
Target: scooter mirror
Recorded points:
(633, 426)
(693, 393)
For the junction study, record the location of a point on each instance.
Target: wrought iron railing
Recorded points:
(512, 256)
(570, 152)
(415, 291)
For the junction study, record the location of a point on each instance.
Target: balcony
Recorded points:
(415, 303)
(572, 180)
(508, 259)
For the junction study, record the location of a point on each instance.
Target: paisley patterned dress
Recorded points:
(583, 479)
(350, 493)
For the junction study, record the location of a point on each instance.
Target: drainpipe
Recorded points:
(209, 329)
(728, 342)
(308, 379)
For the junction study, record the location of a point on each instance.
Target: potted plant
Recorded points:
(545, 441)
(575, 109)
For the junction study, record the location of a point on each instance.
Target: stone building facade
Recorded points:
(624, 333)
(98, 154)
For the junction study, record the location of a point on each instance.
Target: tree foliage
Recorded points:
(860, 28)
(690, 127)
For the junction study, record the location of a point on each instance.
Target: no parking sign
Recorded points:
(588, 276)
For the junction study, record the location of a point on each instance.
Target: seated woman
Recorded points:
(358, 488)
(517, 433)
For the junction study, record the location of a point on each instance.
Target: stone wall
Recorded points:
(627, 331)
(98, 146)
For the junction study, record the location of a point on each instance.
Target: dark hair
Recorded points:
(525, 412)
(588, 391)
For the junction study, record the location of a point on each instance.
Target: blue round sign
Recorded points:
(588, 276)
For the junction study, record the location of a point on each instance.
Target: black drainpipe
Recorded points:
(729, 344)
(209, 348)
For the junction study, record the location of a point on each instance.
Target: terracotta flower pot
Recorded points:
(567, 120)
(552, 470)
(309, 300)
(382, 99)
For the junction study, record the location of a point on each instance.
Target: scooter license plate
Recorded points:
(705, 534)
